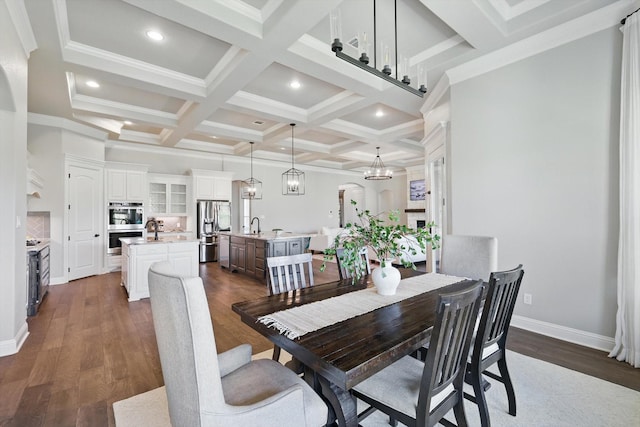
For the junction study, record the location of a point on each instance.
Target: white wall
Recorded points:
(13, 162)
(48, 146)
(534, 149)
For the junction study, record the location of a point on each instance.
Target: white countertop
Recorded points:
(43, 243)
(150, 241)
(269, 235)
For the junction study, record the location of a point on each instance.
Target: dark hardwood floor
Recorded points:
(88, 347)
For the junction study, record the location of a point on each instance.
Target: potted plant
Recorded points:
(389, 240)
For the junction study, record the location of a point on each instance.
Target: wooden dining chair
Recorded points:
(346, 274)
(421, 394)
(291, 272)
(288, 273)
(489, 345)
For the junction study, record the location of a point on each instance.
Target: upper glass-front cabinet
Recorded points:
(157, 198)
(178, 198)
(167, 196)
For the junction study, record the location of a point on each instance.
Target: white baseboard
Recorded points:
(576, 336)
(57, 280)
(12, 346)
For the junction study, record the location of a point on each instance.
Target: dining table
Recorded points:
(339, 356)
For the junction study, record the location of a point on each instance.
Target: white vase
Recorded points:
(386, 279)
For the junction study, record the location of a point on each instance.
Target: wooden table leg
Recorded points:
(342, 403)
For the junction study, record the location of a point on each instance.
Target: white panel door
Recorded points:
(84, 242)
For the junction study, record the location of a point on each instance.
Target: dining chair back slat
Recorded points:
(291, 272)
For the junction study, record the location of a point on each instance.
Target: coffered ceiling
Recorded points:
(221, 76)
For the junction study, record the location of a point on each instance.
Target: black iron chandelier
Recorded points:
(293, 179)
(377, 171)
(363, 61)
(251, 187)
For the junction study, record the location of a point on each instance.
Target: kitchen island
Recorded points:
(248, 252)
(138, 254)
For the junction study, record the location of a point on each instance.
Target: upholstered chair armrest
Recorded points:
(285, 408)
(232, 359)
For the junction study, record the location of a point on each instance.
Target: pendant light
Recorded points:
(293, 179)
(377, 170)
(251, 187)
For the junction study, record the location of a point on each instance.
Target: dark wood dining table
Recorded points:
(339, 356)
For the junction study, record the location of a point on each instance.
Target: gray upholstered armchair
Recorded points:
(474, 257)
(206, 389)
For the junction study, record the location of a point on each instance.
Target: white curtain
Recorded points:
(627, 341)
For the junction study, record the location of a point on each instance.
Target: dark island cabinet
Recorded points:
(248, 254)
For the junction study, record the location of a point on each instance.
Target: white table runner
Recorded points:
(297, 321)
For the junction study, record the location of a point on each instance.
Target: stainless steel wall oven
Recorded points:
(125, 216)
(115, 246)
(125, 220)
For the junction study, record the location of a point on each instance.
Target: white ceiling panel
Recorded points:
(225, 65)
(119, 28)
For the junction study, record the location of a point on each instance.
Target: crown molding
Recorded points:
(575, 29)
(65, 124)
(22, 25)
(435, 132)
(439, 91)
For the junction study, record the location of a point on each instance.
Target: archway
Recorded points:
(346, 193)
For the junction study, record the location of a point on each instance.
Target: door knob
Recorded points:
(96, 235)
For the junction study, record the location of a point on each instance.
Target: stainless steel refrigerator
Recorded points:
(213, 216)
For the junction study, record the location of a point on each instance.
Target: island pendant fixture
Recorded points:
(377, 170)
(363, 61)
(251, 187)
(293, 179)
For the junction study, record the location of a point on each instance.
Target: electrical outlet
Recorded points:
(527, 299)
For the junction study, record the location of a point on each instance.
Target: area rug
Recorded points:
(547, 395)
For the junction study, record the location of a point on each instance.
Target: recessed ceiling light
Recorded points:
(379, 113)
(155, 35)
(214, 137)
(128, 122)
(93, 84)
(294, 84)
(282, 148)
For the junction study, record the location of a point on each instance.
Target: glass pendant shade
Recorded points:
(292, 179)
(377, 170)
(251, 187)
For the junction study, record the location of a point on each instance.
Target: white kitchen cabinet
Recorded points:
(168, 195)
(211, 185)
(126, 185)
(140, 254)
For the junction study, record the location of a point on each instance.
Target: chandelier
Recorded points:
(363, 61)
(251, 187)
(377, 170)
(293, 179)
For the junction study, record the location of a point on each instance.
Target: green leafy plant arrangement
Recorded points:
(385, 239)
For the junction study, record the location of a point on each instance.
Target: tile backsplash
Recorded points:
(38, 225)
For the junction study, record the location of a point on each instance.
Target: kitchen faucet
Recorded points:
(252, 219)
(155, 227)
